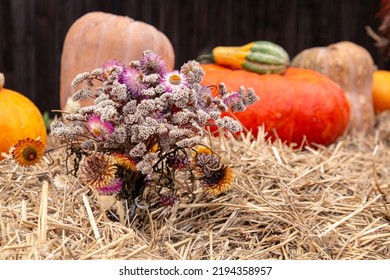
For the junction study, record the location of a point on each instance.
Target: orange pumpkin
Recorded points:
(381, 90)
(19, 119)
(300, 103)
(98, 37)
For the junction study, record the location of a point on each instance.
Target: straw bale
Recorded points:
(287, 202)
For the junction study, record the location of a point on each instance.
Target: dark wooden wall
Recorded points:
(32, 31)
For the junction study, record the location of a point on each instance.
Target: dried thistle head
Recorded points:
(207, 162)
(218, 181)
(98, 170)
(216, 176)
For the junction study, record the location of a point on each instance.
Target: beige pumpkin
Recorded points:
(351, 67)
(98, 37)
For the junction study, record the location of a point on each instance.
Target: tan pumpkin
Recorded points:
(98, 37)
(351, 67)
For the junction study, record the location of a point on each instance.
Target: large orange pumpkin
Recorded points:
(300, 103)
(98, 37)
(19, 119)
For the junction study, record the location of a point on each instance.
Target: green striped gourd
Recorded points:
(262, 57)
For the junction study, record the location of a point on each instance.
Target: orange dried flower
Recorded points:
(28, 152)
(219, 181)
(124, 161)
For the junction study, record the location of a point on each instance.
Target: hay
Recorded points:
(302, 203)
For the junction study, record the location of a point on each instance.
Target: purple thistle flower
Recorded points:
(174, 81)
(98, 127)
(152, 63)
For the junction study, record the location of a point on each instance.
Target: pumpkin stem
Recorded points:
(205, 58)
(2, 81)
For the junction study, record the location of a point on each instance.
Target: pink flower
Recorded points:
(114, 187)
(152, 63)
(98, 127)
(174, 81)
(231, 99)
(132, 78)
(108, 65)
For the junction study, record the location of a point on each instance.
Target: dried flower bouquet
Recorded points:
(145, 126)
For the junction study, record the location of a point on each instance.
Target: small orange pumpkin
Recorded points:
(98, 37)
(381, 90)
(299, 104)
(19, 119)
